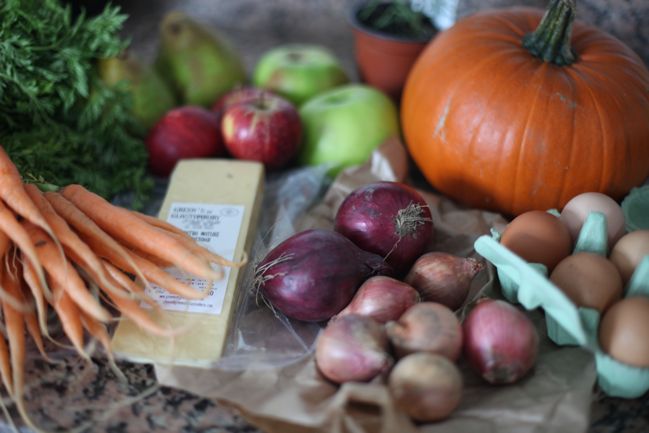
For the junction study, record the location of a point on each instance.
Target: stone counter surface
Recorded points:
(72, 395)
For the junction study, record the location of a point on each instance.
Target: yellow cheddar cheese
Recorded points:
(216, 201)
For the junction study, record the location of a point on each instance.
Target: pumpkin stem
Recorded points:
(551, 39)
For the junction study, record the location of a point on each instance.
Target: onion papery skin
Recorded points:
(387, 218)
(352, 348)
(313, 275)
(500, 341)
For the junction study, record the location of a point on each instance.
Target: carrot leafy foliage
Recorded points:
(58, 121)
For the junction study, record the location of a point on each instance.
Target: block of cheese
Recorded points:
(216, 201)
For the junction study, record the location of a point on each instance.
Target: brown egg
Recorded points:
(589, 280)
(624, 331)
(629, 251)
(538, 237)
(576, 211)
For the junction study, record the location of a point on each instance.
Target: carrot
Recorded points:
(31, 320)
(199, 250)
(12, 192)
(124, 292)
(165, 280)
(17, 304)
(182, 236)
(78, 251)
(151, 272)
(5, 362)
(70, 317)
(87, 229)
(5, 366)
(161, 224)
(16, 232)
(155, 260)
(64, 274)
(98, 331)
(5, 243)
(32, 282)
(123, 225)
(125, 281)
(15, 327)
(129, 308)
(16, 335)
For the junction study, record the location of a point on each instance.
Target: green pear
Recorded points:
(196, 61)
(152, 97)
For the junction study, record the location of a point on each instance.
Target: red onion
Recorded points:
(427, 327)
(387, 218)
(500, 341)
(443, 277)
(352, 348)
(426, 386)
(382, 298)
(314, 274)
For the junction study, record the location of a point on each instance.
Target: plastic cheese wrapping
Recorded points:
(217, 202)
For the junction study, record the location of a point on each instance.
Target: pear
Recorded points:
(198, 63)
(152, 96)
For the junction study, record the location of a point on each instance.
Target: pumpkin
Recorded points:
(512, 110)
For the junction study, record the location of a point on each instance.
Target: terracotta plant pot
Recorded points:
(384, 60)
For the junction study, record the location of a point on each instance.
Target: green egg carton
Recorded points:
(635, 208)
(592, 238)
(528, 284)
(614, 377)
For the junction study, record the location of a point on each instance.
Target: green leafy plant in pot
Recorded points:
(388, 38)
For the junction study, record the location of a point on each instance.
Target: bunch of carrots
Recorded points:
(74, 252)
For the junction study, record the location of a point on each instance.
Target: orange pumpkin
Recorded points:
(500, 116)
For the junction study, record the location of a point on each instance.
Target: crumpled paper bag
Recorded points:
(294, 398)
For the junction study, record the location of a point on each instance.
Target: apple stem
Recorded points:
(295, 57)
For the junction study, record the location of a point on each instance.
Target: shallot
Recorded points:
(443, 277)
(352, 348)
(313, 275)
(382, 298)
(500, 341)
(426, 386)
(427, 327)
(387, 218)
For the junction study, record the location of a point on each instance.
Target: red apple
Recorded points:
(184, 132)
(266, 128)
(235, 96)
(240, 94)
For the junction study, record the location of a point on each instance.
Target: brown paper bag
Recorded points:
(295, 398)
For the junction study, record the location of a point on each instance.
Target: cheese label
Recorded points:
(218, 203)
(217, 228)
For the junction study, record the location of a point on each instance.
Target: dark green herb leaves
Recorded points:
(58, 121)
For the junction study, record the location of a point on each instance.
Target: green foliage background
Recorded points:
(58, 121)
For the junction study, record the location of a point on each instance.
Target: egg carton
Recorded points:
(635, 207)
(567, 324)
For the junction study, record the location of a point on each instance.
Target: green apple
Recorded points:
(299, 71)
(341, 127)
(198, 62)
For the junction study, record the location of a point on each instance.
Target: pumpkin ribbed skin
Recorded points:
(494, 127)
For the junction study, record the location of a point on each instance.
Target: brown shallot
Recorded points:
(426, 327)
(352, 348)
(426, 386)
(443, 277)
(382, 298)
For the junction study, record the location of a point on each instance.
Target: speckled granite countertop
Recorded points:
(72, 395)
